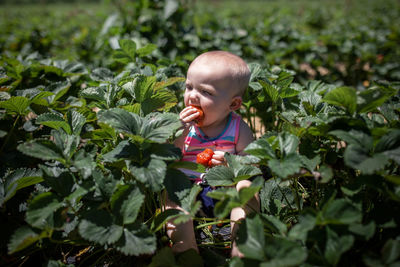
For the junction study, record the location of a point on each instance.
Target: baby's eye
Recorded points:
(205, 92)
(188, 87)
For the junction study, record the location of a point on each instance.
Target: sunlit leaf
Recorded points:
(345, 97)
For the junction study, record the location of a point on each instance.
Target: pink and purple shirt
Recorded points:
(196, 141)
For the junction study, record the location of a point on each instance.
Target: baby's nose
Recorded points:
(193, 96)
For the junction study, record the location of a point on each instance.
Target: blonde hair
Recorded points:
(237, 68)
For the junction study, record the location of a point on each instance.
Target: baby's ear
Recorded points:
(236, 103)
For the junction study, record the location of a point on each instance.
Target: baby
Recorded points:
(215, 83)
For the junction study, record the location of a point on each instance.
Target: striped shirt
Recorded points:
(196, 141)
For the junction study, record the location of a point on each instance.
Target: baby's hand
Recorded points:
(218, 158)
(189, 115)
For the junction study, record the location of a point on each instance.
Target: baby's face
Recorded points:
(208, 86)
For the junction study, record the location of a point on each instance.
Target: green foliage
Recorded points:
(87, 154)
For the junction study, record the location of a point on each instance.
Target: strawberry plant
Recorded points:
(88, 124)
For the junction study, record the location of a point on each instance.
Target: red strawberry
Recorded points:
(200, 118)
(205, 157)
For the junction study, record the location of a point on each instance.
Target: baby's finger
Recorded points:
(218, 158)
(189, 115)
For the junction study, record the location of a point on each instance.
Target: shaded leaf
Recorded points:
(41, 149)
(22, 238)
(126, 202)
(41, 210)
(251, 240)
(336, 245)
(136, 240)
(151, 175)
(289, 165)
(98, 226)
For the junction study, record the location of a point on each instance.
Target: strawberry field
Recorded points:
(89, 103)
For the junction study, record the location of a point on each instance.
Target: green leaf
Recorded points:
(391, 251)
(357, 158)
(129, 47)
(126, 202)
(274, 224)
(164, 257)
(283, 252)
(22, 238)
(98, 226)
(101, 74)
(162, 100)
(121, 120)
(17, 105)
(120, 55)
(310, 164)
(41, 210)
(143, 87)
(336, 245)
(136, 240)
(170, 7)
(339, 211)
(187, 199)
(41, 149)
(60, 180)
(162, 218)
(66, 143)
(345, 97)
(188, 165)
(355, 137)
(96, 93)
(54, 121)
(326, 173)
(75, 121)
(261, 149)
(17, 180)
(367, 231)
(306, 223)
(191, 258)
(58, 89)
(228, 199)
(220, 176)
(251, 239)
(158, 127)
(389, 141)
(372, 98)
(168, 82)
(288, 143)
(176, 183)
(393, 154)
(146, 50)
(41, 98)
(84, 162)
(289, 165)
(151, 175)
(106, 183)
(124, 150)
(165, 152)
(271, 90)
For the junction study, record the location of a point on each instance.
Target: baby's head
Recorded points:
(223, 67)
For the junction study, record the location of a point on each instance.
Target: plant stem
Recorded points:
(212, 223)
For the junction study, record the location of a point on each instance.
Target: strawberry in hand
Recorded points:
(205, 157)
(199, 120)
